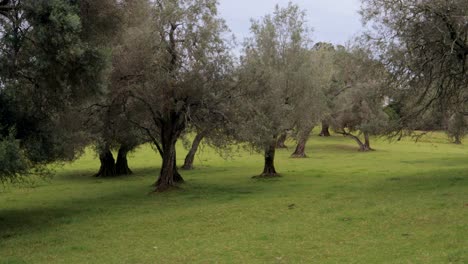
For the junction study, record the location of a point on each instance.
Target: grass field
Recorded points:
(406, 202)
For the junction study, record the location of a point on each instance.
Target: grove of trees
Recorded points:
(116, 74)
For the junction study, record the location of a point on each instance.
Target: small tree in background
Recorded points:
(107, 122)
(281, 142)
(272, 57)
(190, 157)
(360, 108)
(313, 79)
(457, 127)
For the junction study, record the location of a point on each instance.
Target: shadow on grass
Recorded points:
(439, 180)
(122, 199)
(342, 149)
(456, 161)
(62, 211)
(87, 174)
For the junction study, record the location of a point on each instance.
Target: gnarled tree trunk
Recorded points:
(301, 144)
(107, 168)
(121, 166)
(367, 145)
(363, 147)
(188, 163)
(169, 175)
(269, 167)
(177, 177)
(281, 142)
(325, 132)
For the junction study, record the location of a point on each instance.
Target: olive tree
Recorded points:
(457, 127)
(49, 67)
(425, 45)
(271, 59)
(107, 121)
(359, 109)
(177, 72)
(313, 80)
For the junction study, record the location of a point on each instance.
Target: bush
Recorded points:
(12, 159)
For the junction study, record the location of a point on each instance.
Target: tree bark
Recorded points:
(269, 168)
(301, 144)
(107, 168)
(188, 163)
(281, 143)
(367, 142)
(169, 175)
(168, 171)
(325, 132)
(121, 166)
(177, 177)
(362, 146)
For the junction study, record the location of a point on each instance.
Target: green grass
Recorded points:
(404, 203)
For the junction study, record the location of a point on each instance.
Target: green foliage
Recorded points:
(274, 74)
(429, 66)
(359, 105)
(457, 127)
(12, 159)
(393, 111)
(48, 69)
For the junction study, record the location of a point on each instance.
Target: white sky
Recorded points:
(334, 21)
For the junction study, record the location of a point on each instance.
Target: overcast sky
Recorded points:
(334, 21)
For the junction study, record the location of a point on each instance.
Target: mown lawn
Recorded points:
(404, 203)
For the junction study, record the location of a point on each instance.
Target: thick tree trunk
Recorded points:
(281, 143)
(121, 166)
(169, 175)
(188, 163)
(301, 144)
(367, 142)
(177, 177)
(107, 168)
(269, 168)
(457, 140)
(325, 132)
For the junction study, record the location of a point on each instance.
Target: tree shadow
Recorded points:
(440, 180)
(337, 147)
(57, 213)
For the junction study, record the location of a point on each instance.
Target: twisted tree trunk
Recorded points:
(121, 166)
(177, 177)
(107, 168)
(188, 163)
(363, 147)
(325, 132)
(169, 175)
(281, 143)
(269, 167)
(301, 144)
(367, 142)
